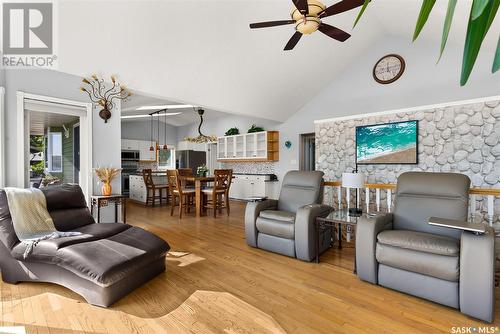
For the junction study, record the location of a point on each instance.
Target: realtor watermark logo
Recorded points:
(474, 330)
(28, 35)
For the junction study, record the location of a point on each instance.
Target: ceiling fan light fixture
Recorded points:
(308, 25)
(315, 7)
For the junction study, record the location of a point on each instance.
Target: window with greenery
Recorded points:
(166, 158)
(55, 152)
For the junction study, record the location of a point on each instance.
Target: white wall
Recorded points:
(219, 126)
(355, 92)
(141, 130)
(106, 136)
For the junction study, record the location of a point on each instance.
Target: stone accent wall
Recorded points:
(463, 139)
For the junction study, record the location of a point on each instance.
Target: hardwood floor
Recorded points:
(222, 285)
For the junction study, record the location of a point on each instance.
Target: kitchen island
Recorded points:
(138, 191)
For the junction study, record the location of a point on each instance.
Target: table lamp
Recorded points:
(354, 181)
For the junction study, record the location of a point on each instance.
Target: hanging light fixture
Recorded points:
(151, 148)
(157, 144)
(201, 138)
(165, 147)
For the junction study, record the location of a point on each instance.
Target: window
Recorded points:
(55, 152)
(166, 158)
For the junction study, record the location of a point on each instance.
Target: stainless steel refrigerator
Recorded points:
(190, 159)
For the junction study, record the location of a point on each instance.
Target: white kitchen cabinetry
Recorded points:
(137, 189)
(245, 186)
(130, 145)
(260, 146)
(142, 146)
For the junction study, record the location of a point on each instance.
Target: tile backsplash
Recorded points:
(251, 167)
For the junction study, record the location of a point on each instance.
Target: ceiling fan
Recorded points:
(307, 16)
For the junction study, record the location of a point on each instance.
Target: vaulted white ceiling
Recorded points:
(203, 52)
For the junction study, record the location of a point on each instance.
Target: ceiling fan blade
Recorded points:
(302, 6)
(340, 7)
(271, 24)
(293, 41)
(335, 33)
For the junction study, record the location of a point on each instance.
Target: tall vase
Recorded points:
(106, 189)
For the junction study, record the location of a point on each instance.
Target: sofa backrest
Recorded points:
(7, 234)
(300, 188)
(421, 195)
(67, 206)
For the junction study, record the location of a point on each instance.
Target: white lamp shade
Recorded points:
(353, 180)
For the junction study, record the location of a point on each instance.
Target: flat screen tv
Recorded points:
(391, 143)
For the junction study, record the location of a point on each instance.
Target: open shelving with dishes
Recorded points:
(259, 146)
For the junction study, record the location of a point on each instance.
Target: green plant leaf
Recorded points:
(447, 25)
(361, 12)
(478, 8)
(476, 32)
(496, 62)
(425, 10)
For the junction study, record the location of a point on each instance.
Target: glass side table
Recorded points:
(337, 218)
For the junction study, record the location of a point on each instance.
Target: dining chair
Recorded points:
(186, 172)
(220, 190)
(152, 189)
(178, 191)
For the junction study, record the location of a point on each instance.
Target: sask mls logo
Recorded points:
(28, 30)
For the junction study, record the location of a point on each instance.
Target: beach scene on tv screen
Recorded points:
(393, 143)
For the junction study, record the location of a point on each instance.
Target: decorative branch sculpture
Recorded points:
(105, 98)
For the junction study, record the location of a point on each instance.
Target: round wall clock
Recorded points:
(389, 69)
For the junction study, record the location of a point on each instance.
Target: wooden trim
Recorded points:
(392, 186)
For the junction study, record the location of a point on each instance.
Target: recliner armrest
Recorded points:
(305, 231)
(477, 274)
(367, 230)
(252, 211)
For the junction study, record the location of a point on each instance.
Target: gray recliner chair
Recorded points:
(287, 226)
(403, 252)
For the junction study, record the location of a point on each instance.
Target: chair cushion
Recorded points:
(420, 241)
(435, 265)
(45, 250)
(278, 215)
(276, 228)
(107, 261)
(185, 191)
(211, 190)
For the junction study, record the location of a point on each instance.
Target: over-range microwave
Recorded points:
(130, 155)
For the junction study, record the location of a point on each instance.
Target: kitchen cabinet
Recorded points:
(250, 147)
(246, 186)
(139, 145)
(130, 145)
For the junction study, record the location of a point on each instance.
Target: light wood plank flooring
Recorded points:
(222, 285)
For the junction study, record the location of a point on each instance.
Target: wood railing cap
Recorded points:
(392, 186)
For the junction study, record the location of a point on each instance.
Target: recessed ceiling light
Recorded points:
(155, 115)
(166, 106)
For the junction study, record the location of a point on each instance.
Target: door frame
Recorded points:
(81, 109)
(303, 137)
(2, 137)
(79, 141)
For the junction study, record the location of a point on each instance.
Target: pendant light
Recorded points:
(151, 148)
(157, 144)
(165, 147)
(201, 138)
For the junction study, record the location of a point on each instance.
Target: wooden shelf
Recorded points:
(251, 143)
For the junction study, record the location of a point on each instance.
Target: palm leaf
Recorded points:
(426, 9)
(478, 8)
(361, 12)
(447, 25)
(496, 62)
(476, 32)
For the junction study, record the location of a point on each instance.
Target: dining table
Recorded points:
(198, 182)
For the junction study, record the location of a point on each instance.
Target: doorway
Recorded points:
(54, 142)
(308, 152)
(76, 153)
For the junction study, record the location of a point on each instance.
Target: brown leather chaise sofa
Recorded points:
(103, 264)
